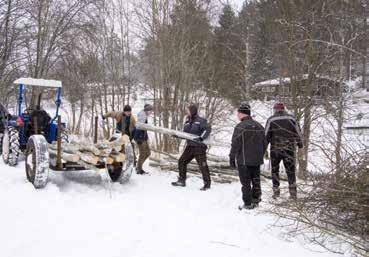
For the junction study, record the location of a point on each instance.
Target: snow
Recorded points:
(80, 214)
(39, 82)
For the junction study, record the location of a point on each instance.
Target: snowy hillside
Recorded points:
(82, 216)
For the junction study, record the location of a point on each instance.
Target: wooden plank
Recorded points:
(175, 133)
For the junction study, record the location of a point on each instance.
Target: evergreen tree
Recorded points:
(227, 60)
(255, 19)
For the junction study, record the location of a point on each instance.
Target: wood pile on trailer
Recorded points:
(87, 154)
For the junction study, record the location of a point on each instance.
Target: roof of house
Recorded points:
(286, 80)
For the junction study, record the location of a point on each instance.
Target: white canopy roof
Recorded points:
(39, 82)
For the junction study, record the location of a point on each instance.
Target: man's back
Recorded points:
(248, 142)
(282, 131)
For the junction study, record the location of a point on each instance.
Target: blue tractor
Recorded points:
(32, 131)
(29, 121)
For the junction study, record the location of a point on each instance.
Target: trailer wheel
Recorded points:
(121, 172)
(37, 161)
(10, 146)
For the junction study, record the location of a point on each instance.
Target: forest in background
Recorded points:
(206, 52)
(181, 51)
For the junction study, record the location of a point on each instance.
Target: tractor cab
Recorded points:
(34, 120)
(30, 120)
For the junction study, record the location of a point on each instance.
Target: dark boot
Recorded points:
(205, 188)
(293, 192)
(247, 207)
(276, 192)
(256, 201)
(179, 183)
(141, 172)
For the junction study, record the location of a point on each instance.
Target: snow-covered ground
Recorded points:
(81, 215)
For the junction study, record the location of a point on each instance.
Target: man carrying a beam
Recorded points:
(195, 149)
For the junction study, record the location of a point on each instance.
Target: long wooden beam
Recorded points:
(175, 133)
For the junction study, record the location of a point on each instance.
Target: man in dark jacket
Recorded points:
(248, 148)
(283, 133)
(195, 148)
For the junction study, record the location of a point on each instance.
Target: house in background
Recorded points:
(281, 87)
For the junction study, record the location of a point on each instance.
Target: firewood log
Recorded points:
(83, 147)
(66, 156)
(89, 158)
(118, 157)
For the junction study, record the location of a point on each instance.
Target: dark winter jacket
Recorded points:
(283, 132)
(248, 143)
(198, 126)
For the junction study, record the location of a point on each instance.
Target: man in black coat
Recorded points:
(195, 148)
(248, 148)
(283, 133)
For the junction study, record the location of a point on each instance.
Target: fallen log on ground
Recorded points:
(169, 162)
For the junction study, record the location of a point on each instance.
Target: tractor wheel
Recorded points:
(1, 142)
(10, 147)
(121, 172)
(37, 161)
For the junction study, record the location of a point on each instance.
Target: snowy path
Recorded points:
(146, 218)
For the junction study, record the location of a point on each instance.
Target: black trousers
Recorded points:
(198, 153)
(288, 158)
(250, 180)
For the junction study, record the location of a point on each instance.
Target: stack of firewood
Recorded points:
(87, 154)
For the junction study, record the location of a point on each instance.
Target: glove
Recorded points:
(198, 139)
(232, 162)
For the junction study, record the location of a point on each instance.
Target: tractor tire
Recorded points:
(122, 172)
(10, 146)
(37, 161)
(1, 142)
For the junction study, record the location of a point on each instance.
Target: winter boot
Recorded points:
(247, 207)
(179, 183)
(205, 188)
(141, 172)
(256, 201)
(276, 193)
(293, 192)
